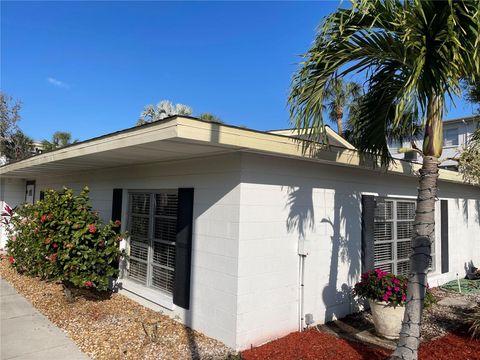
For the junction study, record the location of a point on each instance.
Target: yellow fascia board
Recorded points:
(130, 137)
(291, 147)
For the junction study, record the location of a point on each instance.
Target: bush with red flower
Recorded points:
(379, 285)
(62, 238)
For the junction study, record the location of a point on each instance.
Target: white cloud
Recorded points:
(58, 83)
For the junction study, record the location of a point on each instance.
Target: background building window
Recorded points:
(450, 137)
(152, 226)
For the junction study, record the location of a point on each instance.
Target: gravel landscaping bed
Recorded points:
(111, 327)
(438, 320)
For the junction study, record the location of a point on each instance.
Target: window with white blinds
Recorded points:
(393, 231)
(152, 224)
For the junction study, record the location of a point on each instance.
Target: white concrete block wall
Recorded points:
(249, 213)
(12, 193)
(283, 200)
(215, 231)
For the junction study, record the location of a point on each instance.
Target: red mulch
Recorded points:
(315, 345)
(451, 346)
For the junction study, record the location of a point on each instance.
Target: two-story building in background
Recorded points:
(456, 133)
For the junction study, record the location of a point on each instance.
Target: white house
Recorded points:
(456, 133)
(227, 223)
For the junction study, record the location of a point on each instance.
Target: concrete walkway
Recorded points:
(27, 334)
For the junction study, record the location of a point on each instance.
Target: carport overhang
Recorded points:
(179, 137)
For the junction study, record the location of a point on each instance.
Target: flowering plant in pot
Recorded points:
(386, 294)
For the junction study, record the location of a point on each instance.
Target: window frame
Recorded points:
(395, 241)
(151, 239)
(454, 142)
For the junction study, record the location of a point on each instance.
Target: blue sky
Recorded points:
(91, 67)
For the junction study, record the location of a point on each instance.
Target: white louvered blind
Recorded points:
(393, 231)
(152, 227)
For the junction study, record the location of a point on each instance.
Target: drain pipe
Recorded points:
(302, 291)
(303, 251)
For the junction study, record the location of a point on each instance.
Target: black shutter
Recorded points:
(117, 204)
(368, 217)
(42, 195)
(444, 234)
(183, 248)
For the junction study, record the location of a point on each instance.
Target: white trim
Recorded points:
(155, 296)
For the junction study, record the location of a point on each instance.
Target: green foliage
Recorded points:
(378, 285)
(59, 139)
(206, 116)
(475, 323)
(413, 53)
(473, 92)
(340, 95)
(161, 111)
(14, 144)
(61, 238)
(469, 160)
(17, 147)
(429, 300)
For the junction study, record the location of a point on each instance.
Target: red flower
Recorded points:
(118, 223)
(43, 218)
(54, 245)
(92, 229)
(88, 284)
(11, 259)
(404, 297)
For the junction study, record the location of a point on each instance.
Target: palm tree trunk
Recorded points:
(339, 112)
(424, 230)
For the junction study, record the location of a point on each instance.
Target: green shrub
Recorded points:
(430, 299)
(62, 238)
(475, 323)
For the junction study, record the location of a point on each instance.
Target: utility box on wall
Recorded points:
(304, 247)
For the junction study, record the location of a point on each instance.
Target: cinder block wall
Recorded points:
(283, 200)
(215, 181)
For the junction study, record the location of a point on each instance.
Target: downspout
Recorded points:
(303, 251)
(302, 292)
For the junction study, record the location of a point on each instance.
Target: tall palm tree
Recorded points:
(414, 54)
(163, 109)
(339, 95)
(59, 139)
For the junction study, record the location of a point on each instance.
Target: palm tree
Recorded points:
(339, 96)
(59, 139)
(206, 116)
(414, 54)
(163, 109)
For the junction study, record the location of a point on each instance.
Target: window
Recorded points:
(393, 231)
(450, 137)
(152, 225)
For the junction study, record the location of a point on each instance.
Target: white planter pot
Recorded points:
(387, 318)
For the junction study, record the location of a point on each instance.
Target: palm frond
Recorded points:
(411, 52)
